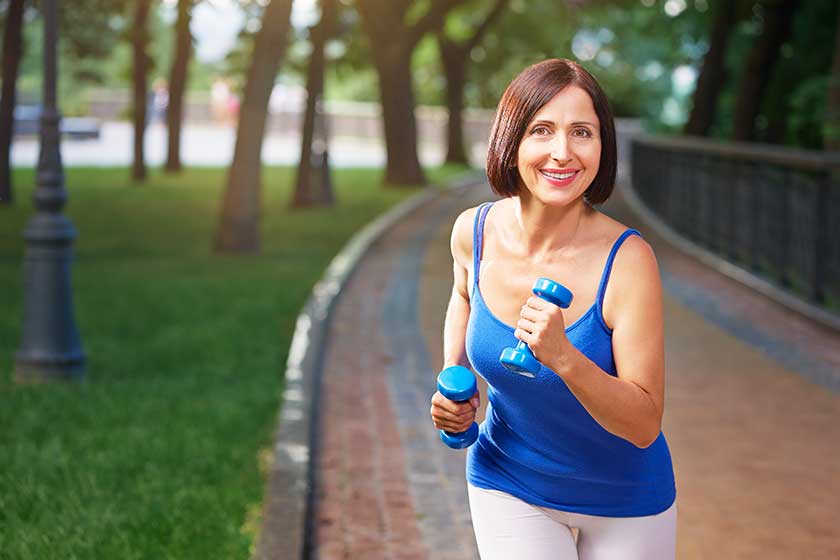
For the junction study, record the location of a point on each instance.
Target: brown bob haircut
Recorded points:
(527, 93)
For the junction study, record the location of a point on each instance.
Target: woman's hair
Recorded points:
(527, 93)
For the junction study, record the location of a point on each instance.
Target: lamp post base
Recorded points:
(50, 344)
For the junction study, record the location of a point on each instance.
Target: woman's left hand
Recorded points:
(542, 327)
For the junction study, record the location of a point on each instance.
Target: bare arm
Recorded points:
(457, 315)
(630, 405)
(448, 415)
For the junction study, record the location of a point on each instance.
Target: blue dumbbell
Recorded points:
(520, 359)
(457, 383)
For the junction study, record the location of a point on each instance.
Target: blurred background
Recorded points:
(214, 155)
(647, 55)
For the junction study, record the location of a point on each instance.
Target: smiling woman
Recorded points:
(535, 92)
(559, 156)
(578, 444)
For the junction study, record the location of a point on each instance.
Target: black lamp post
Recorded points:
(50, 344)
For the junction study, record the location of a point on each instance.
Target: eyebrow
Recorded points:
(576, 123)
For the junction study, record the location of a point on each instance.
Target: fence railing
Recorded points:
(774, 211)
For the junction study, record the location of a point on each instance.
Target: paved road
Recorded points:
(753, 436)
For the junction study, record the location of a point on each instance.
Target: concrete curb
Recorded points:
(725, 267)
(286, 522)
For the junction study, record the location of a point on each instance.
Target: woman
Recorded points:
(578, 446)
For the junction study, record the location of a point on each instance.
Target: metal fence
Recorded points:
(774, 211)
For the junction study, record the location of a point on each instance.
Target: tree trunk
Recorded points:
(713, 74)
(454, 59)
(759, 67)
(12, 52)
(312, 187)
(831, 131)
(394, 68)
(393, 43)
(140, 38)
(239, 223)
(177, 85)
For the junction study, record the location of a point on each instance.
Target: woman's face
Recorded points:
(559, 155)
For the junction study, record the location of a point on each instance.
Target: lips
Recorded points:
(559, 177)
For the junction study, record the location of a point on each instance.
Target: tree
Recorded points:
(454, 55)
(778, 18)
(393, 41)
(713, 72)
(12, 51)
(238, 230)
(90, 30)
(832, 126)
(139, 40)
(87, 37)
(309, 190)
(177, 84)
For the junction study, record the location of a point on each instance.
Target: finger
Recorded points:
(454, 427)
(443, 416)
(524, 336)
(475, 400)
(450, 425)
(531, 314)
(526, 325)
(465, 411)
(452, 407)
(537, 303)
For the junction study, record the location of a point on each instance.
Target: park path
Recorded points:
(751, 419)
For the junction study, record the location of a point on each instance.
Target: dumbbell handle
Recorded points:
(520, 359)
(523, 346)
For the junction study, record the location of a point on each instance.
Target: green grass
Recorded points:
(157, 454)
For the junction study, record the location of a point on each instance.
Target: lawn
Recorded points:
(157, 453)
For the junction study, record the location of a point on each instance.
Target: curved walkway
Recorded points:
(751, 418)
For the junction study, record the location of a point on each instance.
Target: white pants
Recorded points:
(506, 527)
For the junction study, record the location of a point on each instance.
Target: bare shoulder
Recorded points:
(461, 242)
(634, 280)
(636, 255)
(634, 252)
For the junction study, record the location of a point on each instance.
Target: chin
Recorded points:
(559, 198)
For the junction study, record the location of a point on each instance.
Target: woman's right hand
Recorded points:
(451, 416)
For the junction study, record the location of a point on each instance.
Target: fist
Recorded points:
(542, 327)
(451, 416)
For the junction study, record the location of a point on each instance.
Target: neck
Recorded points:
(547, 229)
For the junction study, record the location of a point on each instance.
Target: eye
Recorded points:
(581, 133)
(541, 130)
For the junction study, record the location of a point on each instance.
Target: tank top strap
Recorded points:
(478, 238)
(602, 287)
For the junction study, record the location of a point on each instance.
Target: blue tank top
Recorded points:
(537, 442)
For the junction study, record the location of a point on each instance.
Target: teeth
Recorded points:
(558, 175)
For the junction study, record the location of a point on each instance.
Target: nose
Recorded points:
(560, 149)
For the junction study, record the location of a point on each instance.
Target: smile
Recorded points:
(558, 175)
(559, 178)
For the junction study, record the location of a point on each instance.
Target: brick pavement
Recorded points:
(753, 439)
(386, 487)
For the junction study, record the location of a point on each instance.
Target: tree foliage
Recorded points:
(793, 105)
(89, 31)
